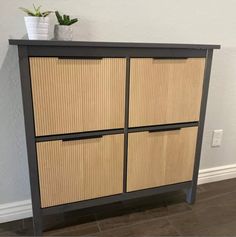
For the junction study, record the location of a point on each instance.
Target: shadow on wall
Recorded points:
(14, 181)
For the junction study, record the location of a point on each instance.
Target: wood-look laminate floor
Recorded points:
(214, 214)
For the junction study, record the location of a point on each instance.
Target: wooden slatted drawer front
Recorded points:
(165, 91)
(72, 171)
(75, 95)
(160, 158)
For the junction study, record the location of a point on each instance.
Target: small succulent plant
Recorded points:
(65, 19)
(36, 12)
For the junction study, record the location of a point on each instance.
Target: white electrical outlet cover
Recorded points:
(217, 138)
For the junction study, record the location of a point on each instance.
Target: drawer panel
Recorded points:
(72, 171)
(160, 158)
(76, 95)
(165, 91)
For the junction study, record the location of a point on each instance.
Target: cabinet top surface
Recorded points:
(26, 42)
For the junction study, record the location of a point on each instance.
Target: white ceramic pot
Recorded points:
(37, 27)
(63, 32)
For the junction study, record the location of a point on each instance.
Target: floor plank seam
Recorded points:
(178, 214)
(215, 196)
(98, 225)
(65, 229)
(133, 224)
(177, 231)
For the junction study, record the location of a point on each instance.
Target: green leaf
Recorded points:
(64, 19)
(44, 14)
(59, 17)
(73, 21)
(28, 12)
(36, 12)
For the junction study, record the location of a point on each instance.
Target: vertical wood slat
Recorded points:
(165, 91)
(80, 170)
(77, 95)
(161, 158)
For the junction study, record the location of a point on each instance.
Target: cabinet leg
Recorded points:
(37, 225)
(190, 195)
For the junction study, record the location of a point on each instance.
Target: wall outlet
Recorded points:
(217, 138)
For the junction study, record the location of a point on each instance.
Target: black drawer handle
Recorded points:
(163, 130)
(167, 58)
(81, 57)
(81, 138)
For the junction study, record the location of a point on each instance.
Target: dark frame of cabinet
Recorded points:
(74, 49)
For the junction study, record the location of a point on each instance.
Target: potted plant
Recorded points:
(37, 23)
(63, 31)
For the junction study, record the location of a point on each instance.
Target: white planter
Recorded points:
(37, 27)
(63, 32)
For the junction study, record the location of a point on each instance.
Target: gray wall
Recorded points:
(183, 21)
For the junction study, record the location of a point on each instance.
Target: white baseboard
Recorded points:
(217, 174)
(23, 209)
(15, 211)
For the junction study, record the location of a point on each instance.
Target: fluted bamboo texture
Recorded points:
(165, 91)
(160, 158)
(76, 95)
(79, 170)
